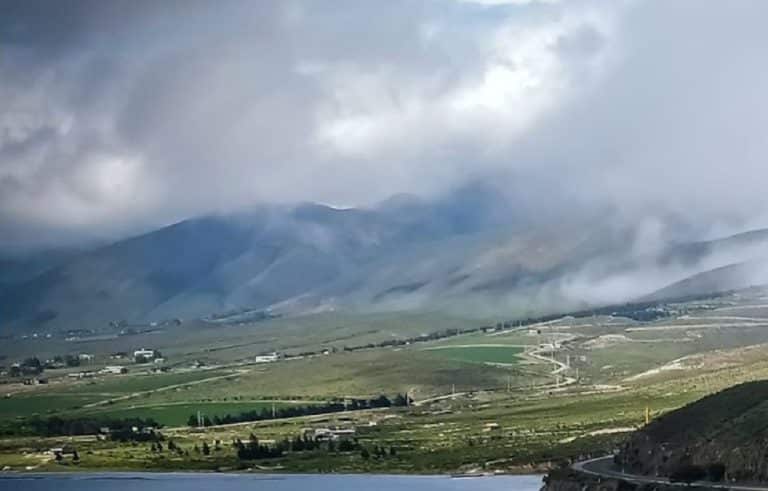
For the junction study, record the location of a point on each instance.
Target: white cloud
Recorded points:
(134, 117)
(522, 74)
(507, 2)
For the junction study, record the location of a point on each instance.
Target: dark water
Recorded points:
(229, 482)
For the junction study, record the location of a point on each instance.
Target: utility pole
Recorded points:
(552, 349)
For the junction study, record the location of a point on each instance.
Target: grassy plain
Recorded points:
(472, 353)
(483, 401)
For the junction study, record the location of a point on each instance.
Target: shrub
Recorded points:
(687, 474)
(715, 472)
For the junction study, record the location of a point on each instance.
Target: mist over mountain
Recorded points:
(479, 156)
(137, 117)
(468, 252)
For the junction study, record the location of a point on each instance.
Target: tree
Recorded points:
(381, 401)
(346, 446)
(400, 400)
(31, 366)
(72, 361)
(33, 362)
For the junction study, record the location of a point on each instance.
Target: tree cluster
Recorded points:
(30, 366)
(119, 429)
(336, 406)
(255, 450)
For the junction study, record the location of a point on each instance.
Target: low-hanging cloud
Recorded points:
(140, 113)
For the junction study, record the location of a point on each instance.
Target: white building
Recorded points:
(272, 357)
(144, 353)
(325, 434)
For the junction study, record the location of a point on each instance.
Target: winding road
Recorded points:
(604, 467)
(560, 367)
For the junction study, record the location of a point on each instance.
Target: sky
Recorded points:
(119, 116)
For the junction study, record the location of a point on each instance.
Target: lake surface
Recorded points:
(236, 482)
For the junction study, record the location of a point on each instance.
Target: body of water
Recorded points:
(237, 482)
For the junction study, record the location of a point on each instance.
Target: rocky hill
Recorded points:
(729, 428)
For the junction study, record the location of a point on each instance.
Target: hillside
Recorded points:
(730, 277)
(730, 263)
(470, 253)
(730, 427)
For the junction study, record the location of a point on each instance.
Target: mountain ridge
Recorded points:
(460, 254)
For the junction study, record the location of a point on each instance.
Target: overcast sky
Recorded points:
(121, 115)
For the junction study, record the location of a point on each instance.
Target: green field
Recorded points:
(41, 404)
(507, 355)
(127, 384)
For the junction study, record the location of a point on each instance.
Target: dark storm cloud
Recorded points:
(121, 115)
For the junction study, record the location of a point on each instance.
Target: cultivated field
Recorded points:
(474, 353)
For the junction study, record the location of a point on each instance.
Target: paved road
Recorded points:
(603, 467)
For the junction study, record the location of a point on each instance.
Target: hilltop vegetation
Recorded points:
(728, 429)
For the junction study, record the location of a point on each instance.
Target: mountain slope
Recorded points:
(731, 263)
(730, 427)
(724, 278)
(247, 260)
(469, 253)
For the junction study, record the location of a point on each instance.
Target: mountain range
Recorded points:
(471, 252)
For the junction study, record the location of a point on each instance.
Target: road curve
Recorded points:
(603, 467)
